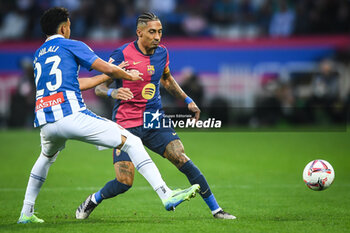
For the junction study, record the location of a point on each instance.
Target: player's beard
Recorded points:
(155, 44)
(153, 47)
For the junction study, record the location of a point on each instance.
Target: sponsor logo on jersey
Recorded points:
(49, 101)
(150, 69)
(148, 91)
(135, 63)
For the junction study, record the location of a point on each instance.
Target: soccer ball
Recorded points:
(318, 175)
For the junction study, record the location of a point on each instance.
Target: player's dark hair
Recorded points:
(52, 18)
(146, 17)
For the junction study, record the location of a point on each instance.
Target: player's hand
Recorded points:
(124, 64)
(135, 75)
(122, 94)
(194, 108)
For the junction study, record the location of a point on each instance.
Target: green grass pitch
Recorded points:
(255, 176)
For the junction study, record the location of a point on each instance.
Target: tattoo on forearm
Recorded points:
(101, 91)
(173, 88)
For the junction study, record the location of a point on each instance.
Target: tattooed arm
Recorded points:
(120, 93)
(175, 90)
(171, 85)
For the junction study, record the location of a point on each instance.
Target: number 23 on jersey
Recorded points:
(54, 71)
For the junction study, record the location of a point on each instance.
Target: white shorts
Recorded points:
(83, 126)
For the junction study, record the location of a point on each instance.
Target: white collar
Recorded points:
(54, 37)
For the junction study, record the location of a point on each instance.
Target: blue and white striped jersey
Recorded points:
(56, 66)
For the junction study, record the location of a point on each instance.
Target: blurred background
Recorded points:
(249, 63)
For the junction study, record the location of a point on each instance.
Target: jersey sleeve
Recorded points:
(167, 59)
(116, 57)
(84, 54)
(166, 67)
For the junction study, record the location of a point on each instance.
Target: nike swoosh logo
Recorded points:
(182, 191)
(135, 63)
(205, 192)
(174, 134)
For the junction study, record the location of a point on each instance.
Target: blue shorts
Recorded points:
(154, 139)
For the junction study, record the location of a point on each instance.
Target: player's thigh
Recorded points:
(167, 143)
(90, 128)
(51, 141)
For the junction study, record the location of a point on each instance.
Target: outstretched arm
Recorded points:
(121, 93)
(115, 71)
(110, 71)
(175, 90)
(88, 83)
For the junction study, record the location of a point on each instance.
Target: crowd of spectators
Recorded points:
(307, 98)
(115, 19)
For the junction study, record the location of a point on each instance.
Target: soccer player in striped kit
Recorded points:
(134, 99)
(61, 114)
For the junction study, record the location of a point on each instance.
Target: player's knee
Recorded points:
(182, 158)
(175, 153)
(178, 156)
(131, 141)
(180, 150)
(137, 141)
(51, 157)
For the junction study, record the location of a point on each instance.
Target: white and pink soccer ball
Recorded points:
(318, 175)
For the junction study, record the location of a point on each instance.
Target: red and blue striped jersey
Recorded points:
(147, 98)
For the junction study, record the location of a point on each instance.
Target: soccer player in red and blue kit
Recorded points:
(136, 98)
(61, 113)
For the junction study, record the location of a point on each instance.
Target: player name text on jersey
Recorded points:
(45, 50)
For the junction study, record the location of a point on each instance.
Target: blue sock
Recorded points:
(111, 189)
(211, 202)
(195, 176)
(98, 197)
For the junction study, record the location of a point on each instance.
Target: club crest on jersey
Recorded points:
(117, 152)
(150, 69)
(148, 91)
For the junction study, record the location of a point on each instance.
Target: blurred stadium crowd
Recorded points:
(114, 19)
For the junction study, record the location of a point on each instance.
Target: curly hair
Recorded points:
(52, 18)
